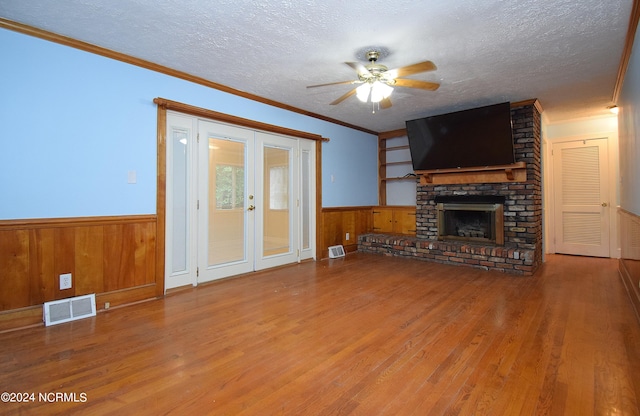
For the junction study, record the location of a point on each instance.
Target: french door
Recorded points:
(581, 197)
(238, 200)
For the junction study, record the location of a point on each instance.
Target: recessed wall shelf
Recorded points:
(383, 149)
(404, 162)
(389, 149)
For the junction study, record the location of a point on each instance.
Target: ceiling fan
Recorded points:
(377, 81)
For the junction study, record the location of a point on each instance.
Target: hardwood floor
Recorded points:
(364, 335)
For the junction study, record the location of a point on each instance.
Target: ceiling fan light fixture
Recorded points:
(380, 91)
(362, 92)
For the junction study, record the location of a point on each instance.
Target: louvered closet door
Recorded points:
(582, 206)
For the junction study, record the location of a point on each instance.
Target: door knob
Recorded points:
(604, 204)
(251, 208)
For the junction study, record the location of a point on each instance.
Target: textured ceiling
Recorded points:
(566, 53)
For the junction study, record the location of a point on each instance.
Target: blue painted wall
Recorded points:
(74, 124)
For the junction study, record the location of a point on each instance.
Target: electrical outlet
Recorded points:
(65, 281)
(347, 237)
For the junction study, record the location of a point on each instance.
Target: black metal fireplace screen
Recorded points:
(471, 218)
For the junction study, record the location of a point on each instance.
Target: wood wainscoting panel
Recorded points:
(89, 259)
(64, 262)
(129, 255)
(145, 259)
(337, 222)
(113, 257)
(41, 266)
(14, 261)
(629, 263)
(118, 253)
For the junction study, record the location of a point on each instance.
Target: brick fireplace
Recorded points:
(520, 252)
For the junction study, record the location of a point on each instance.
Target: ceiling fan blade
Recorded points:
(332, 83)
(361, 69)
(413, 69)
(414, 83)
(344, 97)
(385, 103)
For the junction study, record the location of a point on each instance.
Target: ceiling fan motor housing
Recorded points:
(373, 56)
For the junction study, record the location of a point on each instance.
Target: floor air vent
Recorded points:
(72, 309)
(336, 251)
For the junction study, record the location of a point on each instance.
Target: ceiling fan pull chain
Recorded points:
(373, 107)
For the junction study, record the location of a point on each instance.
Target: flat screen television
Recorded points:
(477, 137)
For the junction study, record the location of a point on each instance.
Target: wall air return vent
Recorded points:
(71, 309)
(336, 251)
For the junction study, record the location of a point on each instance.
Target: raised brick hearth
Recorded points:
(510, 260)
(522, 249)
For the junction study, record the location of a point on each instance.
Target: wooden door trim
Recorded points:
(161, 199)
(235, 120)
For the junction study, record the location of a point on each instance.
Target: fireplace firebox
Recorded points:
(471, 218)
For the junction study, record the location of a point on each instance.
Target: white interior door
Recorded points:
(581, 197)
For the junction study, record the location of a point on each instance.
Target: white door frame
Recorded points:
(189, 276)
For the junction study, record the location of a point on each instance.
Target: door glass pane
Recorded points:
(277, 212)
(226, 201)
(180, 214)
(306, 199)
